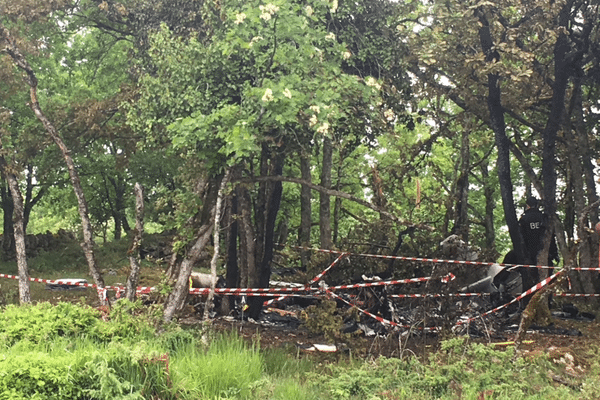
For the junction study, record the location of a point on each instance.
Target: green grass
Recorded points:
(66, 351)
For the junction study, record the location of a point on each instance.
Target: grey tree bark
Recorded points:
(324, 200)
(216, 240)
(24, 293)
(134, 251)
(498, 125)
(176, 298)
(18, 232)
(461, 223)
(305, 210)
(88, 237)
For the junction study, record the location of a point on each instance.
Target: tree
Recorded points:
(283, 84)
(521, 59)
(20, 61)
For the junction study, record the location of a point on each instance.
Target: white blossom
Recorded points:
(268, 96)
(346, 55)
(324, 128)
(319, 53)
(287, 93)
(373, 83)
(254, 40)
(330, 36)
(268, 11)
(315, 109)
(313, 121)
(334, 6)
(309, 10)
(239, 18)
(389, 115)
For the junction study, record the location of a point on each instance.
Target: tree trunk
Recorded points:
(305, 210)
(134, 251)
(553, 124)
(502, 142)
(88, 239)
(30, 199)
(268, 204)
(19, 234)
(118, 212)
(461, 223)
(176, 298)
(490, 205)
(233, 273)
(216, 239)
(232, 277)
(589, 248)
(8, 237)
(24, 293)
(248, 273)
(324, 199)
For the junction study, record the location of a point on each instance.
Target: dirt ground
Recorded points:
(579, 338)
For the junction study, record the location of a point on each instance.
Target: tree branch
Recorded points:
(336, 193)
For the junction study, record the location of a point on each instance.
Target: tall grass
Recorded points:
(228, 367)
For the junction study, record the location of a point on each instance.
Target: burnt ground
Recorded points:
(571, 331)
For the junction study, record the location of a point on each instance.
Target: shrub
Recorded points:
(36, 375)
(43, 321)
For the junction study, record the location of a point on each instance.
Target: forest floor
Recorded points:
(579, 338)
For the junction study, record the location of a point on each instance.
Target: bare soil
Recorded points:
(579, 338)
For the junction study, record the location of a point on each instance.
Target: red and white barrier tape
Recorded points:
(59, 282)
(529, 291)
(444, 279)
(432, 260)
(282, 293)
(319, 276)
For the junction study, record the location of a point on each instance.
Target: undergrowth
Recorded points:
(68, 352)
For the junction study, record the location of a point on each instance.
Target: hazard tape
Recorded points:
(405, 296)
(319, 276)
(282, 293)
(431, 260)
(444, 279)
(529, 291)
(60, 282)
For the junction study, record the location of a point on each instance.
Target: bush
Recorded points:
(44, 321)
(86, 371)
(35, 375)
